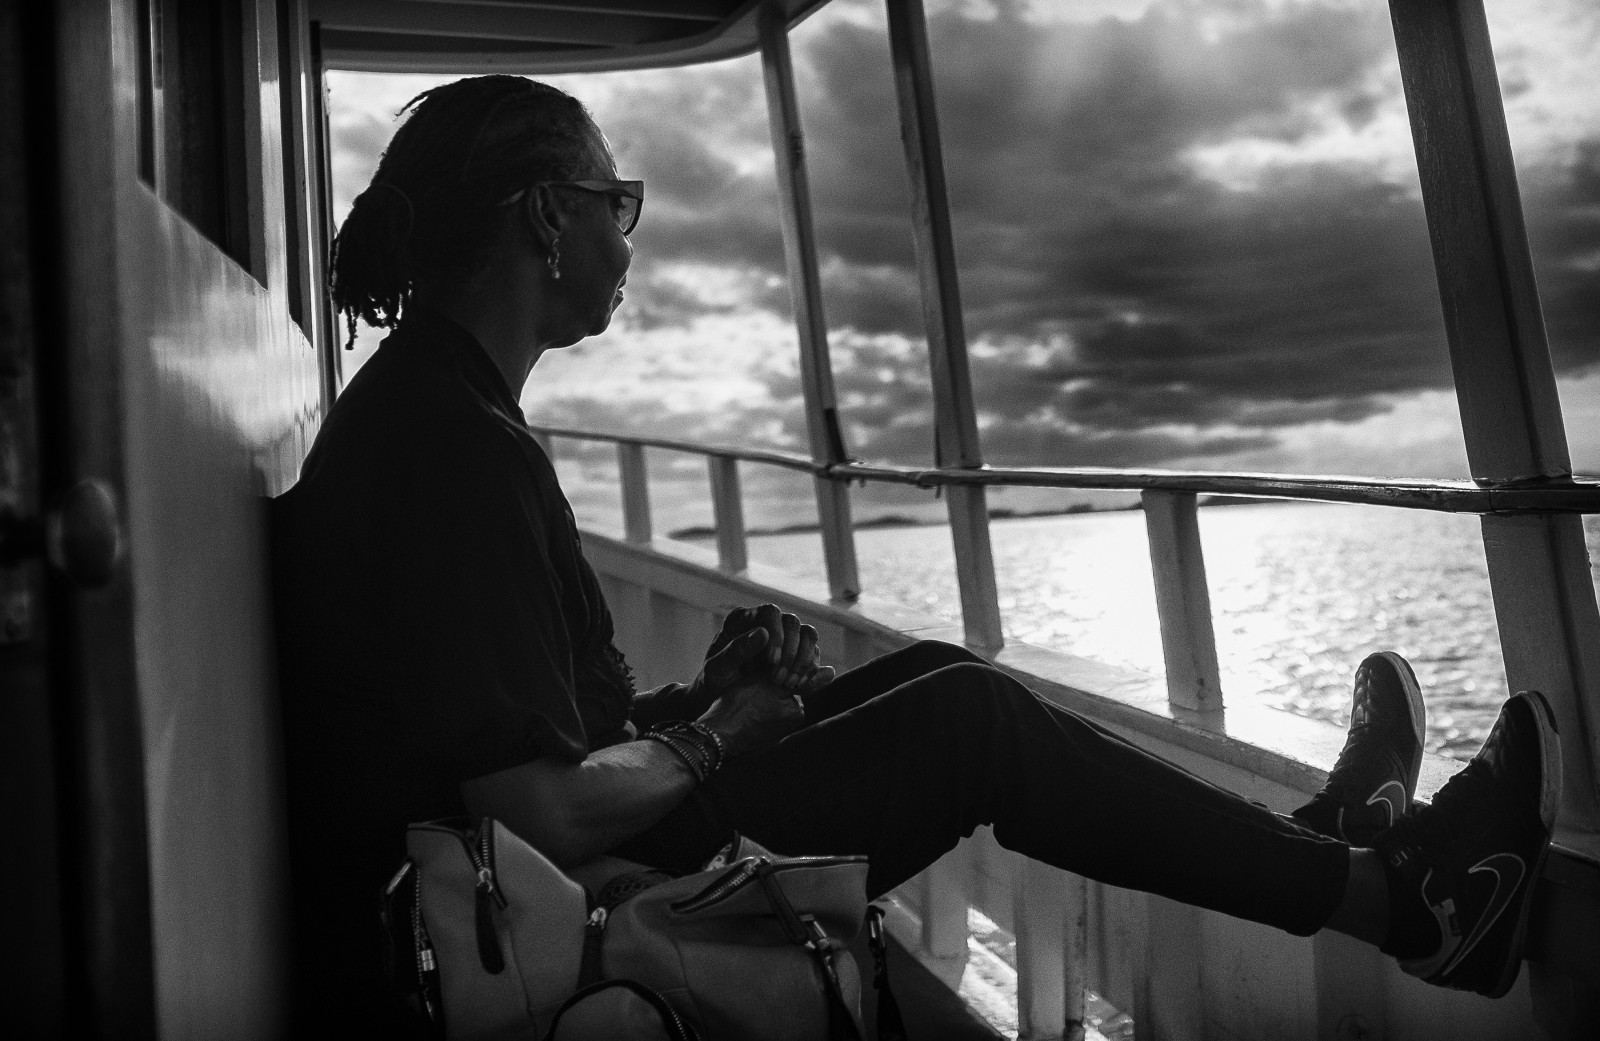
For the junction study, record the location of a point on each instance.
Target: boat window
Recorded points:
(845, 82)
(1547, 53)
(361, 110)
(291, 118)
(145, 47)
(704, 346)
(196, 148)
(1192, 235)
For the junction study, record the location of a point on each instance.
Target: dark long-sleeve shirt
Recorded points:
(436, 618)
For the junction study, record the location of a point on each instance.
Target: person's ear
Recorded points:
(543, 214)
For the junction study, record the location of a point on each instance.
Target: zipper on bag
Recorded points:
(422, 947)
(737, 877)
(485, 895)
(589, 967)
(748, 870)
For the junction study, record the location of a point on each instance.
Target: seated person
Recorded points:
(447, 650)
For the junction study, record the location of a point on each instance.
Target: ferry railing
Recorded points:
(1048, 910)
(1169, 499)
(1505, 383)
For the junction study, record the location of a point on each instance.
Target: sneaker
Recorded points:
(1462, 871)
(1371, 785)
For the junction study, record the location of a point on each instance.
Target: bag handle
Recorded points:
(890, 1026)
(807, 932)
(674, 1024)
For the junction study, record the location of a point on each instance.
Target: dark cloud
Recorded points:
(1562, 202)
(1126, 308)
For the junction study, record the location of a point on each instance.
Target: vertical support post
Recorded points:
(727, 506)
(945, 887)
(1168, 998)
(955, 420)
(1183, 601)
(1039, 913)
(1077, 959)
(635, 493)
(805, 290)
(1510, 414)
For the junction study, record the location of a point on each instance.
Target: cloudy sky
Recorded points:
(1189, 235)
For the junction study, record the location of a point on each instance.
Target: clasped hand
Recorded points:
(755, 668)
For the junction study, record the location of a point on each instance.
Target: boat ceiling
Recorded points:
(537, 36)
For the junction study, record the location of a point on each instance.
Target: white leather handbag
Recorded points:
(490, 938)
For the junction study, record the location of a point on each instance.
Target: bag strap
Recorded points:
(890, 1026)
(677, 1027)
(807, 932)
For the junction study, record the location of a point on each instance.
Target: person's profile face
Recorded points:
(599, 255)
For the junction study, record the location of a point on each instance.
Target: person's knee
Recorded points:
(970, 693)
(971, 718)
(937, 654)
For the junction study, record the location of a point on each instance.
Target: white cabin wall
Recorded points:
(220, 398)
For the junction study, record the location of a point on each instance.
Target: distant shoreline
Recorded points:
(705, 532)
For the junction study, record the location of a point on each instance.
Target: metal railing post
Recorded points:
(1183, 600)
(1041, 906)
(805, 289)
(955, 420)
(1510, 414)
(635, 492)
(727, 506)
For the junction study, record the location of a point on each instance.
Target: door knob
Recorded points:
(83, 534)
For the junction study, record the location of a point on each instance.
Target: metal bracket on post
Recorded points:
(805, 289)
(955, 419)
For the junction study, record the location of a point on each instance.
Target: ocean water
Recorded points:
(1300, 593)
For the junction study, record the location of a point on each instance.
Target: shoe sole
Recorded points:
(1418, 711)
(1549, 805)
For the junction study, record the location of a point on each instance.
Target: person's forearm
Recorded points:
(572, 813)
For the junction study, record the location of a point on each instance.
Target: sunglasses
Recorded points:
(627, 197)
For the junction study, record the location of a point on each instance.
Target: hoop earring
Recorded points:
(555, 257)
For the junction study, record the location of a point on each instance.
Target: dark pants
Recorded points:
(910, 752)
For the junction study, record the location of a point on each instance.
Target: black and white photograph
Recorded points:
(800, 520)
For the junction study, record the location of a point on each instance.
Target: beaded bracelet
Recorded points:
(700, 747)
(716, 741)
(693, 757)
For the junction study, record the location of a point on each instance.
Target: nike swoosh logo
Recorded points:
(1508, 869)
(1393, 795)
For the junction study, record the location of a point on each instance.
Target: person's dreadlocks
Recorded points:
(432, 205)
